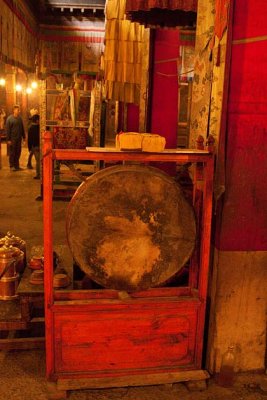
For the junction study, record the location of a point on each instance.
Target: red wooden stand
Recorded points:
(107, 338)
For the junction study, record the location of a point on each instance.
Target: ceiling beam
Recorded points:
(76, 3)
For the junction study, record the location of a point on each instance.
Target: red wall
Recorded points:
(244, 216)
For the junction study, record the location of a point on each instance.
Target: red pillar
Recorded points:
(164, 110)
(164, 104)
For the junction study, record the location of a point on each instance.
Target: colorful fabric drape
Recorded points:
(208, 85)
(220, 24)
(221, 17)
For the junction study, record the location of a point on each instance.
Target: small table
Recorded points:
(29, 293)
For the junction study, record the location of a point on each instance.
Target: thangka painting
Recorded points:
(70, 138)
(83, 107)
(91, 53)
(50, 56)
(70, 56)
(58, 108)
(4, 28)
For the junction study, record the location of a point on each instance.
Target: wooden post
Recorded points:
(200, 142)
(210, 144)
(197, 200)
(48, 249)
(204, 254)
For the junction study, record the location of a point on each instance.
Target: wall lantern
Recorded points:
(2, 82)
(29, 90)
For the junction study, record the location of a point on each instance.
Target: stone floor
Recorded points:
(23, 378)
(22, 374)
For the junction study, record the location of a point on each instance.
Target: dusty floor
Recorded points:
(22, 378)
(22, 374)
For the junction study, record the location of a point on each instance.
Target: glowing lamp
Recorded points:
(18, 88)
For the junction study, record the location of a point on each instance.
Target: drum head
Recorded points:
(130, 227)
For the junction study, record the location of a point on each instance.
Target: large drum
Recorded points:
(130, 227)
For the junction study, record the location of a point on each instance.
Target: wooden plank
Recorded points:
(166, 151)
(183, 157)
(54, 393)
(103, 305)
(22, 343)
(37, 320)
(85, 294)
(13, 325)
(204, 256)
(133, 380)
(113, 294)
(48, 249)
(131, 337)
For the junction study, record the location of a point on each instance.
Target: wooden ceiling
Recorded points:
(58, 11)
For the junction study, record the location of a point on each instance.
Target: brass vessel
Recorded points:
(8, 273)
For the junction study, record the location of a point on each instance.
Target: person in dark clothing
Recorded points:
(14, 135)
(33, 112)
(34, 142)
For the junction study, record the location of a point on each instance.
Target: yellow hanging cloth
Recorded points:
(122, 55)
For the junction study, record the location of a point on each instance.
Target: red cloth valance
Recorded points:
(162, 13)
(146, 5)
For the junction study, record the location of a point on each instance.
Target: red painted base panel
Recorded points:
(114, 338)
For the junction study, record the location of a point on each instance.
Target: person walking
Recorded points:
(14, 135)
(34, 142)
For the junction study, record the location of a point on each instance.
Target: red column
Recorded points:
(164, 105)
(164, 112)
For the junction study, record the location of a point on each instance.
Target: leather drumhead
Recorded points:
(129, 227)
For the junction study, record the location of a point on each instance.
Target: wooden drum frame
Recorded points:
(107, 338)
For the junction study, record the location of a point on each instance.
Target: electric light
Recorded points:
(2, 82)
(34, 85)
(29, 90)
(18, 88)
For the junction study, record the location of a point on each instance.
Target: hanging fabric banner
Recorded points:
(162, 13)
(122, 55)
(220, 25)
(146, 5)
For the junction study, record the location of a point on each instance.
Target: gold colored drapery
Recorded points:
(122, 55)
(18, 35)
